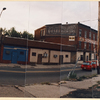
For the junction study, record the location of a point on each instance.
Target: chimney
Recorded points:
(66, 23)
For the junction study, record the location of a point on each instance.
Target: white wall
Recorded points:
(38, 51)
(78, 54)
(56, 60)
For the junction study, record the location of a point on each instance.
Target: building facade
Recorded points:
(83, 37)
(23, 51)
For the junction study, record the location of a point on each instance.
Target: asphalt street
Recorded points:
(19, 76)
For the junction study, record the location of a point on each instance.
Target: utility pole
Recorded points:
(98, 54)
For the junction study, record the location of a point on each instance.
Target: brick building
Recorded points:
(83, 37)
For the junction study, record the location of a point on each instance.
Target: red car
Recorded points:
(94, 64)
(87, 65)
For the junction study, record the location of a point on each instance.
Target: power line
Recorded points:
(88, 20)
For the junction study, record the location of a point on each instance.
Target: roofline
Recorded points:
(40, 41)
(86, 26)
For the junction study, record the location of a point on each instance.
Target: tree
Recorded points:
(13, 33)
(27, 35)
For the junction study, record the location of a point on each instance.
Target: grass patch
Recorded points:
(94, 75)
(73, 75)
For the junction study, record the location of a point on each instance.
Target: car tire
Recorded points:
(91, 69)
(82, 68)
(94, 68)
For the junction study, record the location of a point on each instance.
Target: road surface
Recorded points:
(19, 76)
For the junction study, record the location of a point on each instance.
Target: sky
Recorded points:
(31, 15)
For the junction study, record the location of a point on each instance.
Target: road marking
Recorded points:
(36, 71)
(12, 71)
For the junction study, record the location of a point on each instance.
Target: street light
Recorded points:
(2, 11)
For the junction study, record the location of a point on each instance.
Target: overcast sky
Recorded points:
(30, 15)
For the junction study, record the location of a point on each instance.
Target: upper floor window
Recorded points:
(89, 35)
(85, 36)
(84, 45)
(93, 36)
(42, 32)
(93, 45)
(80, 32)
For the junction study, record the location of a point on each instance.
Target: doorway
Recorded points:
(39, 61)
(14, 57)
(60, 59)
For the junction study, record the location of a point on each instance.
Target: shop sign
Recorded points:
(71, 38)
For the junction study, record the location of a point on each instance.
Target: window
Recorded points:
(80, 44)
(84, 45)
(89, 45)
(66, 56)
(81, 57)
(55, 56)
(33, 54)
(85, 36)
(93, 36)
(93, 45)
(21, 53)
(80, 32)
(42, 32)
(7, 52)
(48, 31)
(89, 35)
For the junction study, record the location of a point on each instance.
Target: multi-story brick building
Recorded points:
(83, 37)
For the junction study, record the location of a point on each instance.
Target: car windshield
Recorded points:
(85, 63)
(93, 62)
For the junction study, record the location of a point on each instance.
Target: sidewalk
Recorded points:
(55, 90)
(37, 66)
(44, 90)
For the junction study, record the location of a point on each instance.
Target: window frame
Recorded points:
(80, 33)
(85, 36)
(90, 35)
(21, 52)
(33, 53)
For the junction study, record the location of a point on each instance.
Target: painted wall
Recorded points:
(15, 54)
(58, 53)
(38, 51)
(78, 54)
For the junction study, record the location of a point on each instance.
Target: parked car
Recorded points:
(94, 64)
(87, 65)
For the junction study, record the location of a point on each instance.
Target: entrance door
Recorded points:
(84, 57)
(39, 59)
(14, 57)
(60, 59)
(87, 58)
